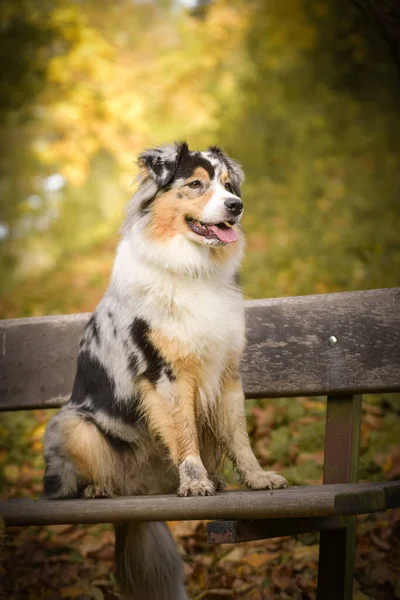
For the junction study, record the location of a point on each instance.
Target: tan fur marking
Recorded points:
(185, 416)
(159, 417)
(88, 450)
(198, 173)
(224, 177)
(174, 419)
(168, 212)
(175, 352)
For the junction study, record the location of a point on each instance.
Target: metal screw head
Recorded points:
(332, 341)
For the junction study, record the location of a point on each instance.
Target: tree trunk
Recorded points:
(384, 14)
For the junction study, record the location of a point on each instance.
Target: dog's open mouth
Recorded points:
(222, 232)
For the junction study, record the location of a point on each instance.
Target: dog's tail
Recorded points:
(147, 561)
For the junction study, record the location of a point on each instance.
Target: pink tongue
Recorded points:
(227, 235)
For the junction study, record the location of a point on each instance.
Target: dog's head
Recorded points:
(187, 199)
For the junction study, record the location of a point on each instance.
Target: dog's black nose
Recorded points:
(234, 205)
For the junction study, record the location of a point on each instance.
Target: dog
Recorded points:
(157, 400)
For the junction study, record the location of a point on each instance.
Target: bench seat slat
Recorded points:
(287, 354)
(310, 501)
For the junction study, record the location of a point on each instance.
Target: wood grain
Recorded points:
(312, 501)
(287, 353)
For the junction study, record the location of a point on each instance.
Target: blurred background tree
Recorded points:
(303, 93)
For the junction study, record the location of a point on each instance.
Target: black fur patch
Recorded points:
(133, 363)
(236, 189)
(190, 162)
(93, 381)
(93, 327)
(159, 165)
(169, 373)
(156, 364)
(52, 485)
(162, 169)
(219, 153)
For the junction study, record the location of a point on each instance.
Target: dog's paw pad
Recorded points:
(268, 480)
(197, 487)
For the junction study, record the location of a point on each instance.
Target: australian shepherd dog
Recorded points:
(157, 400)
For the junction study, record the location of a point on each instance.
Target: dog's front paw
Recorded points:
(197, 487)
(95, 491)
(266, 480)
(193, 478)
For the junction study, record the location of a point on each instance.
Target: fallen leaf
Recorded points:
(234, 555)
(91, 544)
(256, 560)
(303, 553)
(184, 528)
(282, 577)
(374, 421)
(371, 408)
(72, 591)
(95, 592)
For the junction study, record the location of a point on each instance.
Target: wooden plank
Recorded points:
(234, 532)
(288, 350)
(312, 501)
(38, 357)
(342, 447)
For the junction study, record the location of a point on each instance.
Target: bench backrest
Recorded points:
(328, 344)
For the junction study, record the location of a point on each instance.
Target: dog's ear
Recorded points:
(234, 169)
(160, 164)
(157, 169)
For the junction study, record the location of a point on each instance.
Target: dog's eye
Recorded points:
(229, 188)
(194, 184)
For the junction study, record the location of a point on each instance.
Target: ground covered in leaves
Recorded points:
(76, 562)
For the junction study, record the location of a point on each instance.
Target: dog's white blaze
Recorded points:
(215, 210)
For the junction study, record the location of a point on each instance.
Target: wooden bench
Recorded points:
(338, 345)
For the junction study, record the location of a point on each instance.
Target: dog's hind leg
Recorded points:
(61, 477)
(148, 565)
(78, 457)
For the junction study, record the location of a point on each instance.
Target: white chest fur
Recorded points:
(204, 315)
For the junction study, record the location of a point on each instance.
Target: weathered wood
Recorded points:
(288, 350)
(38, 358)
(234, 532)
(312, 501)
(342, 447)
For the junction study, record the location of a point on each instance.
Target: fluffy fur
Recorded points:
(157, 400)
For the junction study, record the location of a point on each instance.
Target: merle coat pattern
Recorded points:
(157, 400)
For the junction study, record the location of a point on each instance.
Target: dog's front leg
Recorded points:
(237, 443)
(174, 422)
